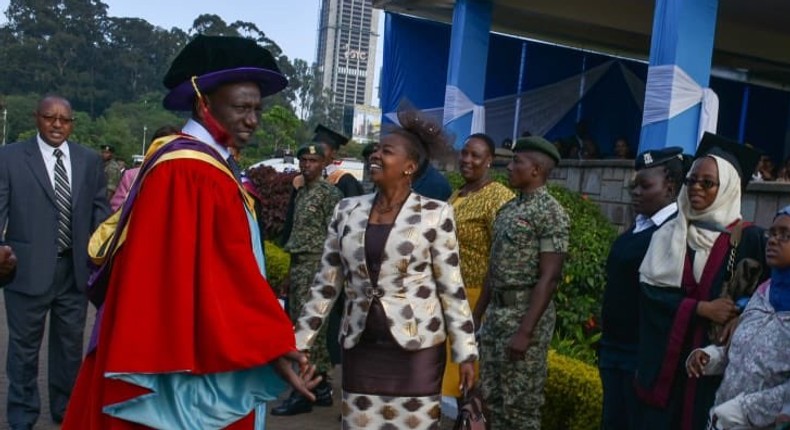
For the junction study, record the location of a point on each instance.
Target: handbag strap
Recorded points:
(736, 233)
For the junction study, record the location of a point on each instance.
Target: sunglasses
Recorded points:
(706, 184)
(54, 118)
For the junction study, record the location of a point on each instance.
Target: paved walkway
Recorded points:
(320, 418)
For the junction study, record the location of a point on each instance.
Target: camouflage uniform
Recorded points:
(313, 209)
(524, 227)
(112, 170)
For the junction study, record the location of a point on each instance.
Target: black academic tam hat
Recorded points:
(743, 157)
(326, 135)
(658, 157)
(218, 60)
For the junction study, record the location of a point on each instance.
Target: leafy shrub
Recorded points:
(275, 191)
(578, 298)
(277, 264)
(574, 396)
(579, 344)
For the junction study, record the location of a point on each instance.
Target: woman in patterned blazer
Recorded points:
(397, 253)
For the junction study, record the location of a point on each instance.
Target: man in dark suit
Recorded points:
(52, 196)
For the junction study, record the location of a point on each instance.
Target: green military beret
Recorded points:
(537, 143)
(310, 148)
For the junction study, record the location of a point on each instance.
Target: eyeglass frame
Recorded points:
(781, 235)
(705, 184)
(51, 119)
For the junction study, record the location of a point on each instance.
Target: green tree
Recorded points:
(278, 130)
(111, 69)
(211, 25)
(142, 54)
(20, 116)
(56, 43)
(135, 123)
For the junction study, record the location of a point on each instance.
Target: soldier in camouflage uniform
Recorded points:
(112, 169)
(314, 204)
(530, 239)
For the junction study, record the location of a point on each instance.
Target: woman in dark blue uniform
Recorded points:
(659, 176)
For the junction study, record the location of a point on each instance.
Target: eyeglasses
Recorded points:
(781, 235)
(706, 184)
(54, 118)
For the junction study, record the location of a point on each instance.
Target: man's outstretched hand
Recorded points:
(302, 382)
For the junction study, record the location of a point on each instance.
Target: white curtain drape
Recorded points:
(671, 91)
(540, 109)
(458, 104)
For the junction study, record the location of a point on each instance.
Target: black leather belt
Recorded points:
(510, 297)
(304, 257)
(64, 253)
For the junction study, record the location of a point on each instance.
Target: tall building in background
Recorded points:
(346, 60)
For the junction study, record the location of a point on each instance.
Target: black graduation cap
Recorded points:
(743, 157)
(332, 138)
(658, 157)
(217, 60)
(107, 148)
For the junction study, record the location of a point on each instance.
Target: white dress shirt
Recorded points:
(193, 128)
(642, 222)
(48, 153)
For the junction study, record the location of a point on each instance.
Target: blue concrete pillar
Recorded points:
(683, 33)
(468, 59)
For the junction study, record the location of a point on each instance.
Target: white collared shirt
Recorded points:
(194, 128)
(48, 153)
(330, 168)
(642, 222)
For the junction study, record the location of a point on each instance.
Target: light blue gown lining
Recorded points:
(197, 402)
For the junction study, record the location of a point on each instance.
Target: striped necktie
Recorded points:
(63, 202)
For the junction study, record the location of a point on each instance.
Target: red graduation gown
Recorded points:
(185, 293)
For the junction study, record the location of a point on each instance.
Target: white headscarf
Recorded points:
(666, 255)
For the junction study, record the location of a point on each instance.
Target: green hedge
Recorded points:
(579, 296)
(574, 397)
(277, 263)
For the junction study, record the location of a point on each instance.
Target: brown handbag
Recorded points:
(470, 411)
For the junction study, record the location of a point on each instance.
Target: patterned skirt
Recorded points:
(386, 387)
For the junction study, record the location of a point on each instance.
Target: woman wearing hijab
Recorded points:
(659, 176)
(688, 262)
(396, 252)
(756, 364)
(475, 205)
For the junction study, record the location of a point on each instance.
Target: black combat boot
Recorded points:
(323, 393)
(295, 404)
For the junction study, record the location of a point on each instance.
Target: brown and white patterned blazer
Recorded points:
(419, 284)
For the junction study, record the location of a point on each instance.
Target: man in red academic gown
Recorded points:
(189, 333)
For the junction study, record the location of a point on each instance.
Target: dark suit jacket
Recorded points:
(29, 216)
(431, 183)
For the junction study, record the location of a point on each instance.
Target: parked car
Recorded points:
(289, 163)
